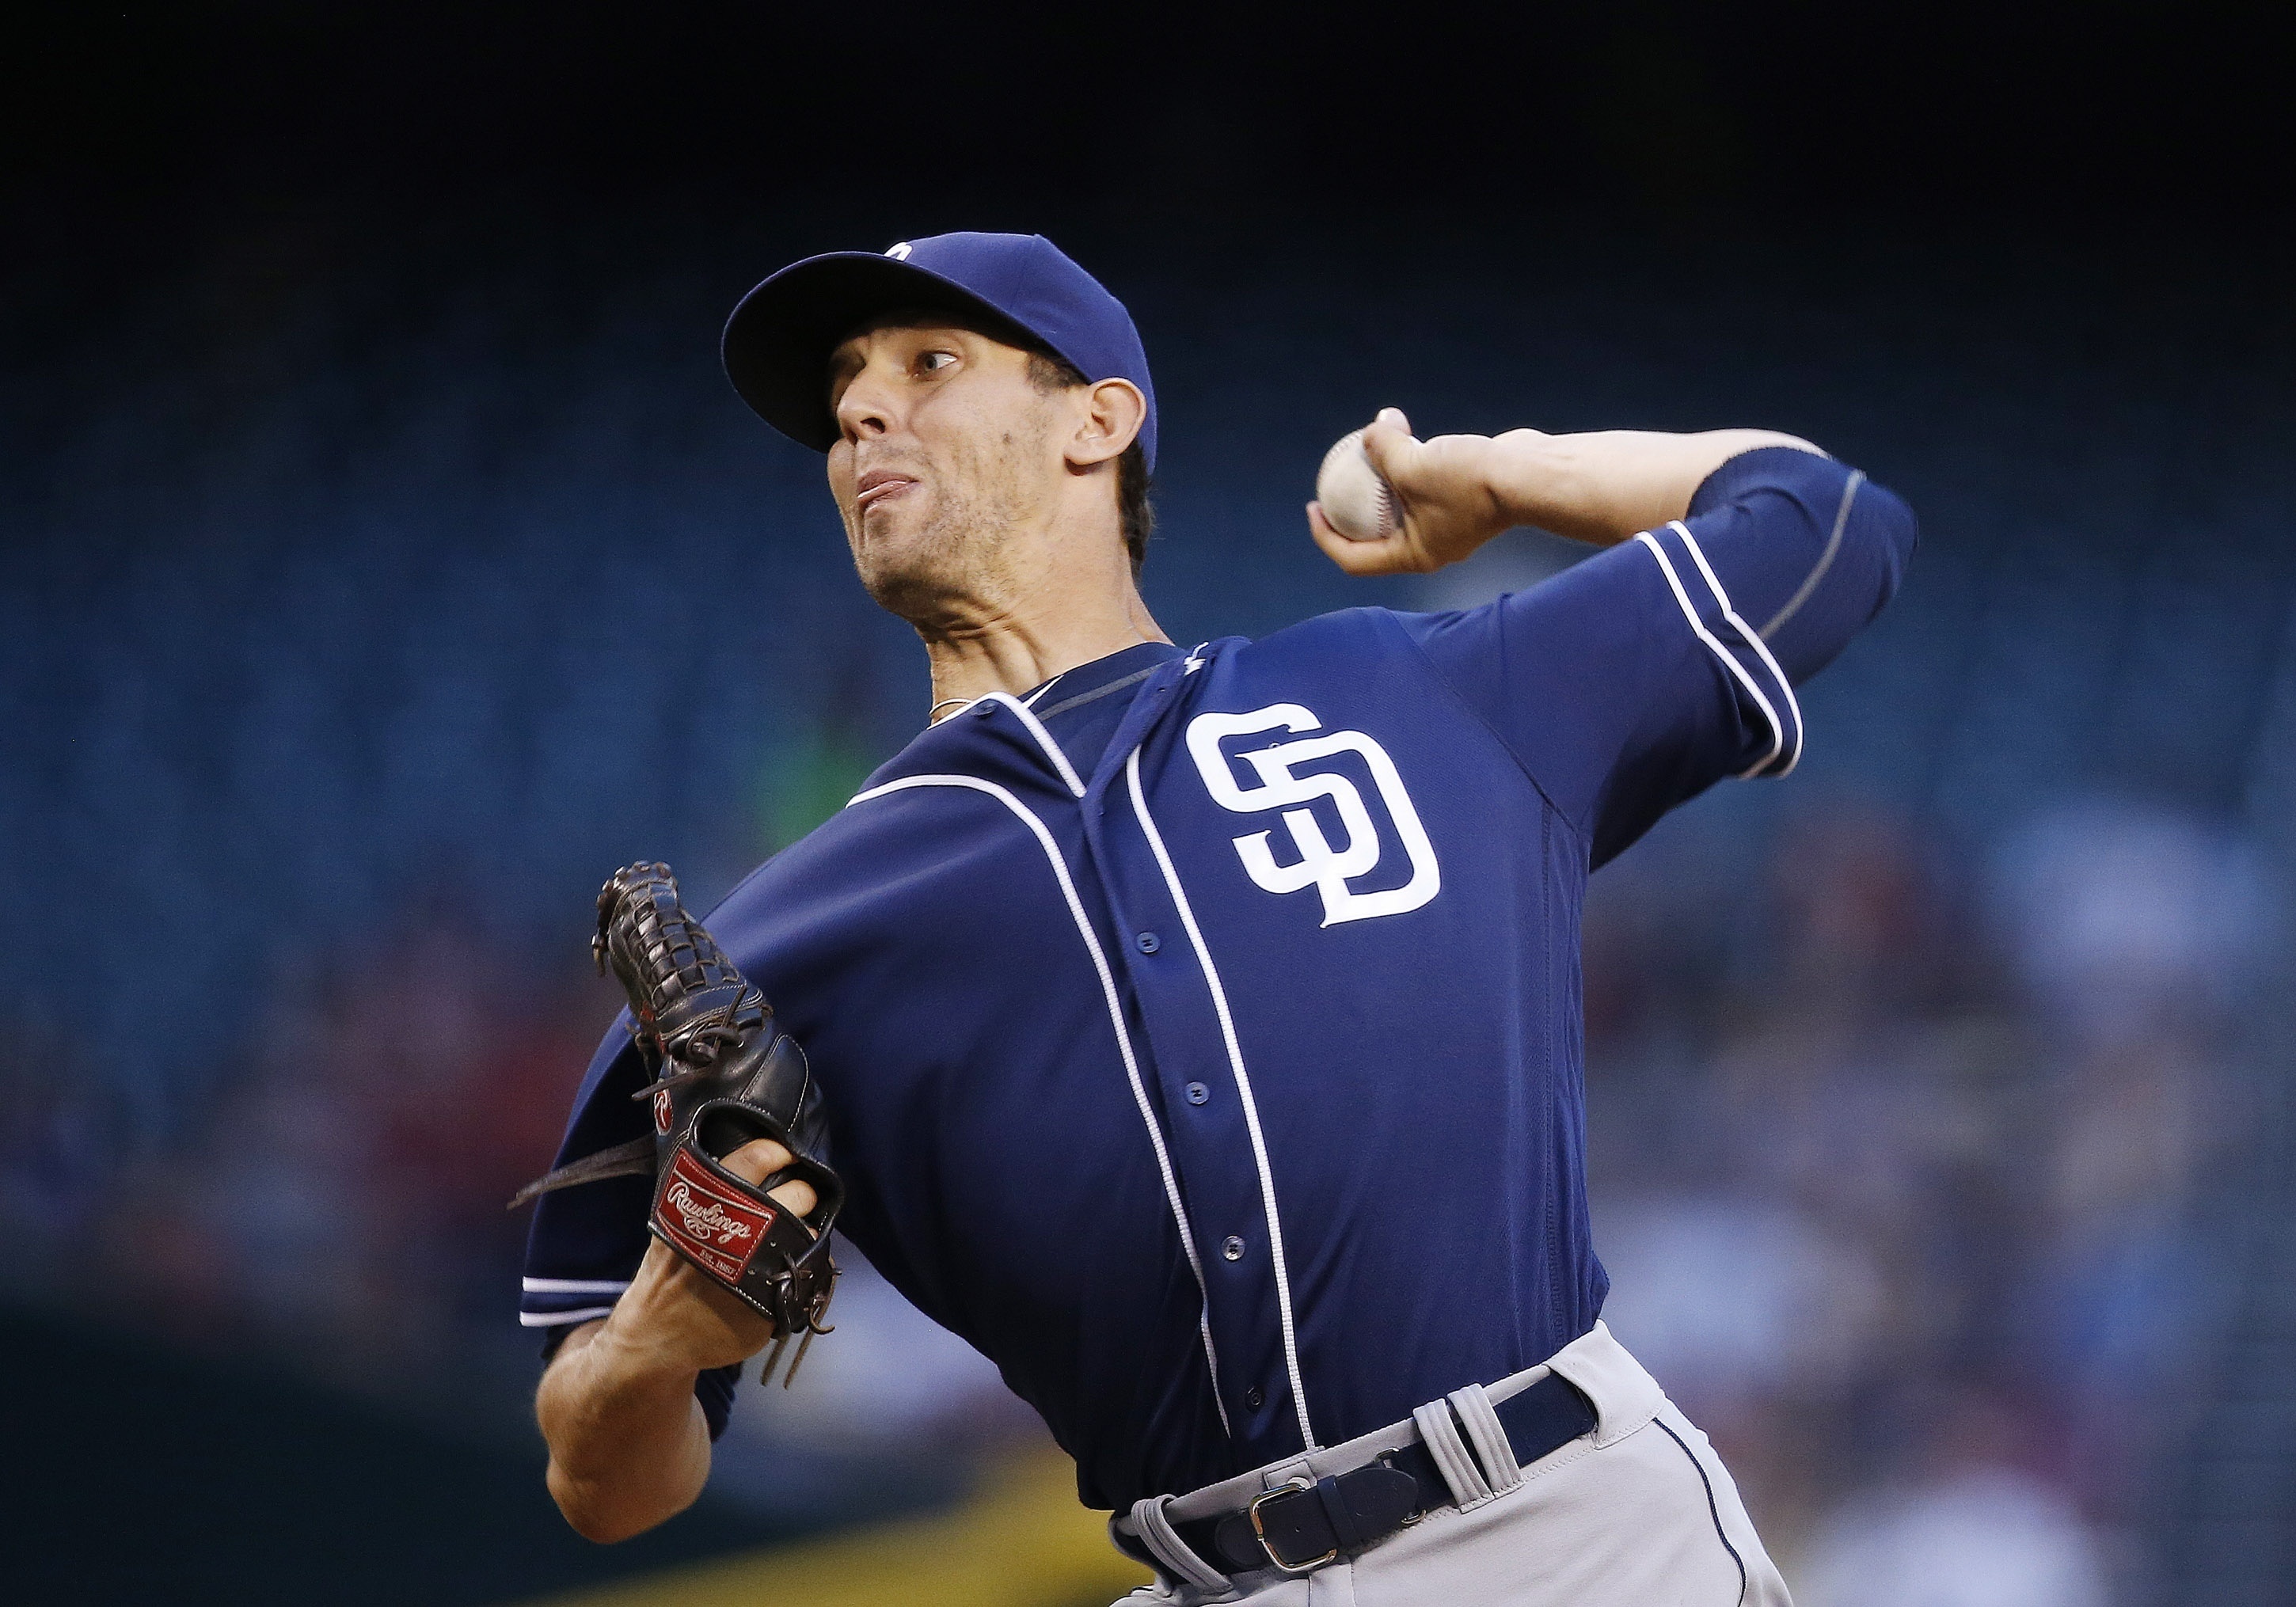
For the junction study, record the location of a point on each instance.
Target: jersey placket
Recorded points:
(1206, 1126)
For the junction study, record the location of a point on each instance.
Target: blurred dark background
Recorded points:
(359, 419)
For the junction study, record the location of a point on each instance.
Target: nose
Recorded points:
(866, 408)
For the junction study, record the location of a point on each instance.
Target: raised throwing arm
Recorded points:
(1458, 491)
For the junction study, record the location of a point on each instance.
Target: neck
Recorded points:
(1018, 646)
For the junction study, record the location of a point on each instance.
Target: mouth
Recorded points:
(879, 485)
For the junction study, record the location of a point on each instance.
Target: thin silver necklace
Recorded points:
(933, 715)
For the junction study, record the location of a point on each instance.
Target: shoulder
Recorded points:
(835, 855)
(1351, 634)
(934, 817)
(1404, 650)
(847, 842)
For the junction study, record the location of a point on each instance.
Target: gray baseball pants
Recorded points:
(1638, 1514)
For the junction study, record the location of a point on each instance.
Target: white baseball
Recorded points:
(1357, 500)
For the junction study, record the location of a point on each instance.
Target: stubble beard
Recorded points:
(955, 568)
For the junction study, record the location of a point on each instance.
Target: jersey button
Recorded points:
(1198, 1093)
(1255, 1397)
(1147, 943)
(983, 709)
(1233, 1248)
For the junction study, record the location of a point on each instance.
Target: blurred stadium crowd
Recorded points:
(348, 641)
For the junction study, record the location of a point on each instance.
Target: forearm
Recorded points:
(629, 1448)
(1605, 486)
(629, 1444)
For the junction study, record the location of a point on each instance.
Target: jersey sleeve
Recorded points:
(1633, 681)
(585, 1243)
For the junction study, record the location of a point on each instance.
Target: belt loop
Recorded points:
(1441, 1437)
(1336, 1513)
(1487, 1436)
(1156, 1533)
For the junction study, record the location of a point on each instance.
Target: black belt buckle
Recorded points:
(1294, 1485)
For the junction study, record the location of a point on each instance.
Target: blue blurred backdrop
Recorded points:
(355, 465)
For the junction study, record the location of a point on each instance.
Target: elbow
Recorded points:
(598, 1515)
(600, 1528)
(1884, 527)
(1900, 532)
(596, 1527)
(595, 1521)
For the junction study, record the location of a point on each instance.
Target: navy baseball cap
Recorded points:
(1021, 286)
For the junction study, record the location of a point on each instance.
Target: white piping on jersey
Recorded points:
(559, 1319)
(1115, 1014)
(574, 1285)
(1036, 729)
(1729, 661)
(1243, 1092)
(1824, 559)
(1753, 640)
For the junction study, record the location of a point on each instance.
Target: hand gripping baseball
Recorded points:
(722, 1074)
(1440, 501)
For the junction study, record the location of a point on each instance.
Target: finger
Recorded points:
(1336, 547)
(1385, 438)
(1392, 556)
(760, 1159)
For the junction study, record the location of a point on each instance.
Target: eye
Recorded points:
(933, 362)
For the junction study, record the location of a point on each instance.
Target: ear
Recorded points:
(1113, 412)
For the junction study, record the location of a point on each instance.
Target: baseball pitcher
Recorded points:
(1196, 1032)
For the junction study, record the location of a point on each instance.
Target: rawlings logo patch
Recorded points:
(719, 1230)
(661, 1111)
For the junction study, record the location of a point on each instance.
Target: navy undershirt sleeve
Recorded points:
(1633, 681)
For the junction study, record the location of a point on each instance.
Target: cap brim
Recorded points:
(778, 343)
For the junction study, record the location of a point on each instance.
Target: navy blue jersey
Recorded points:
(1200, 1033)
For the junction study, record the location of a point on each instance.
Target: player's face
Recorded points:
(945, 461)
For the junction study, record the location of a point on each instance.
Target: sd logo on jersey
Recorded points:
(1317, 863)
